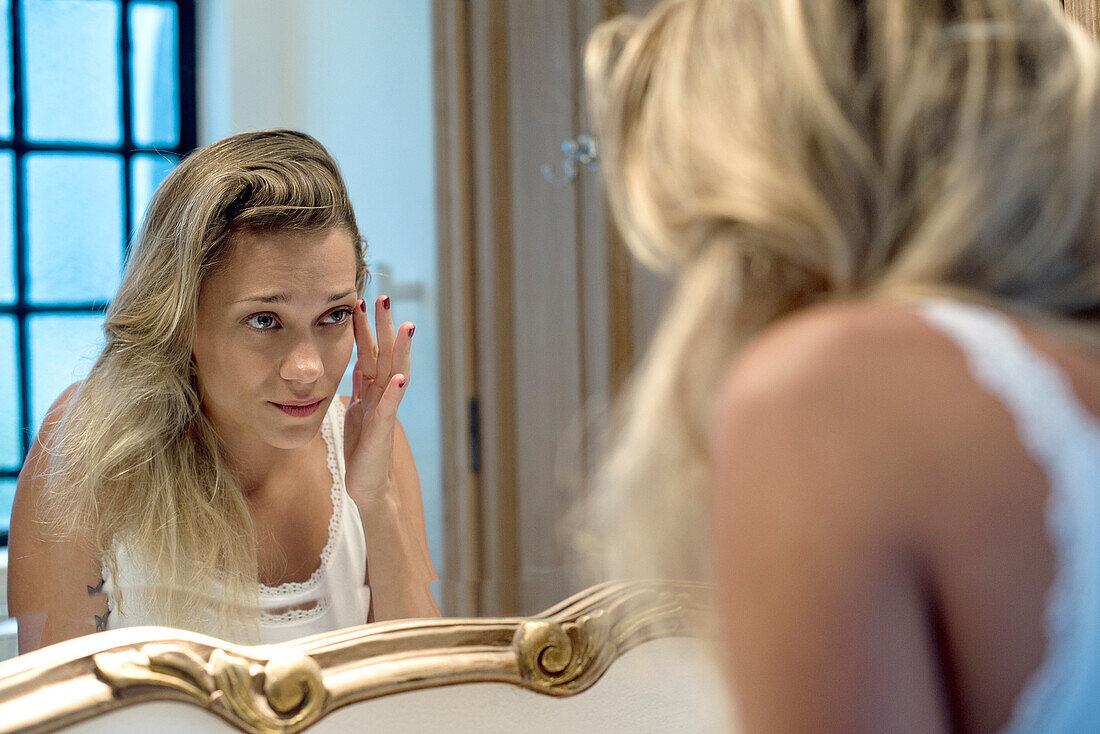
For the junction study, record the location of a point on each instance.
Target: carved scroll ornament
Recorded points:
(288, 687)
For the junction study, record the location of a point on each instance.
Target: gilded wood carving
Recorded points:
(288, 687)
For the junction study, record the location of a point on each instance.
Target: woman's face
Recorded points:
(273, 335)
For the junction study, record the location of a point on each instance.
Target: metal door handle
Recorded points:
(580, 151)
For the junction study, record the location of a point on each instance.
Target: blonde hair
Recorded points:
(134, 461)
(779, 154)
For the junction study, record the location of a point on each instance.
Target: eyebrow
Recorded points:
(283, 298)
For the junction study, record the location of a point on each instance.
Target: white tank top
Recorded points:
(1063, 695)
(333, 597)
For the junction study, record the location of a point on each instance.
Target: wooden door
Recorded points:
(1085, 12)
(545, 311)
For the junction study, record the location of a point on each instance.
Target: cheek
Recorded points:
(342, 351)
(219, 363)
(203, 358)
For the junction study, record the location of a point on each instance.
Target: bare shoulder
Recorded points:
(852, 400)
(31, 482)
(842, 363)
(820, 453)
(54, 583)
(835, 346)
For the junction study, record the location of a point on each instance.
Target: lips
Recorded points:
(298, 409)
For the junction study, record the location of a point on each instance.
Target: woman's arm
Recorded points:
(381, 474)
(399, 565)
(54, 584)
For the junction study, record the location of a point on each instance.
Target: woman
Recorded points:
(205, 474)
(879, 377)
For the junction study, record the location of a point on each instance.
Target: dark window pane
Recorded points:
(5, 69)
(72, 70)
(7, 227)
(63, 349)
(75, 229)
(7, 494)
(146, 173)
(10, 450)
(154, 73)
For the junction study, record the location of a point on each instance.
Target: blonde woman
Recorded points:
(205, 474)
(879, 377)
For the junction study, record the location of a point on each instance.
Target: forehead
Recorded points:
(286, 261)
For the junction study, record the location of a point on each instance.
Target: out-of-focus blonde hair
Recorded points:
(134, 461)
(780, 153)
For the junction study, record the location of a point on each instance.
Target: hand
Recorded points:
(379, 381)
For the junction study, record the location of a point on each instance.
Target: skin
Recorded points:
(53, 585)
(274, 326)
(871, 557)
(277, 323)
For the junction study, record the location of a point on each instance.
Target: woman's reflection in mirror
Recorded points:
(878, 381)
(206, 474)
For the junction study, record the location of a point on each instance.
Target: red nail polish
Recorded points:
(401, 384)
(386, 302)
(363, 306)
(411, 330)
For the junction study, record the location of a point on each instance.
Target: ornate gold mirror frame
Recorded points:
(290, 686)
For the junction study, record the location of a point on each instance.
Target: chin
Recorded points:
(293, 438)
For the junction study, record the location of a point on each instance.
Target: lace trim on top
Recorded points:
(336, 495)
(296, 615)
(1065, 439)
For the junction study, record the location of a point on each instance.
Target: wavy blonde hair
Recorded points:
(778, 154)
(134, 461)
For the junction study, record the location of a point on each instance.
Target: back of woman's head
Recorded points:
(134, 459)
(777, 154)
(860, 145)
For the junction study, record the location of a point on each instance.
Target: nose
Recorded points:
(302, 363)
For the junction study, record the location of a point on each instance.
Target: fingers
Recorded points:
(366, 347)
(402, 350)
(353, 417)
(360, 384)
(383, 321)
(391, 399)
(365, 385)
(375, 433)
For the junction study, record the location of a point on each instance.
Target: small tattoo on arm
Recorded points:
(100, 622)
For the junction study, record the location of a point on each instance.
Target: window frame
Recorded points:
(21, 309)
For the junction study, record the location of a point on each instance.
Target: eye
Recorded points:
(338, 316)
(262, 321)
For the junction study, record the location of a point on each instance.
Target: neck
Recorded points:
(260, 468)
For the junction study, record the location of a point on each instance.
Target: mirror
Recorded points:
(380, 84)
(357, 76)
(628, 646)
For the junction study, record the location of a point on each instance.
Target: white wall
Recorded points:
(357, 75)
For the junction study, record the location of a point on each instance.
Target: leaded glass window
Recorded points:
(97, 104)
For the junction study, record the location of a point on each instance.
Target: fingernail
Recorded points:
(363, 306)
(386, 302)
(411, 330)
(401, 384)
